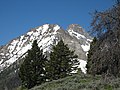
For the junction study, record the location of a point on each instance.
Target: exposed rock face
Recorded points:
(47, 36)
(82, 42)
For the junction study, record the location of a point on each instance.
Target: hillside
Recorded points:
(80, 82)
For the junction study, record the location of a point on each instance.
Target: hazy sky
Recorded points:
(19, 16)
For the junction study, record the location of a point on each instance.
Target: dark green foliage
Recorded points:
(32, 70)
(61, 62)
(90, 53)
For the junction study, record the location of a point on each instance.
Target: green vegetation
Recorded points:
(80, 82)
(32, 70)
(36, 69)
(89, 65)
(62, 62)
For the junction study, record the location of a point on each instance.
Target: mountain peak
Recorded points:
(75, 27)
(78, 32)
(45, 28)
(47, 35)
(49, 26)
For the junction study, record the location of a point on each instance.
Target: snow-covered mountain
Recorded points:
(47, 35)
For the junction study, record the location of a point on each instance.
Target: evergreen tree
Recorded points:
(90, 63)
(32, 70)
(62, 62)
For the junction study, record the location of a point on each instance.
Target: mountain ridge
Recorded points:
(47, 36)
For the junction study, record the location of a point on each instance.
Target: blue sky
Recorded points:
(19, 16)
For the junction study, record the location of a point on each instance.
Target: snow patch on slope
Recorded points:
(29, 33)
(83, 65)
(86, 47)
(56, 28)
(77, 35)
(44, 28)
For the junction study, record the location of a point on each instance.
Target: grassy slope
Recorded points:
(80, 82)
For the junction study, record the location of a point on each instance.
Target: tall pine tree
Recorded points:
(32, 70)
(90, 63)
(62, 62)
